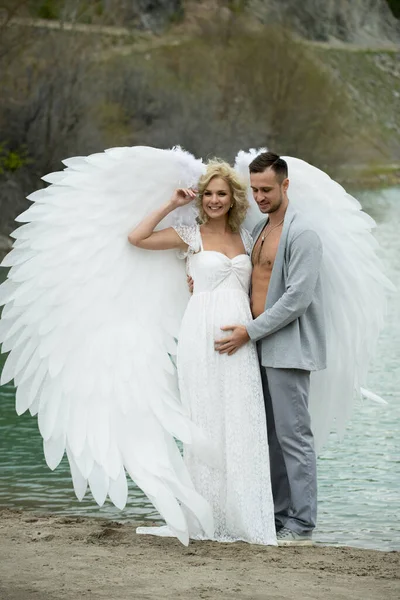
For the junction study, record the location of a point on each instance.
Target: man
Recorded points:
(288, 326)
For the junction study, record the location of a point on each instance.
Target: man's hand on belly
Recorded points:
(236, 340)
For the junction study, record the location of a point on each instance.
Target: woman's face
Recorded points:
(217, 198)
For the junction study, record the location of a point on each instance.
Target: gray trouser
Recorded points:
(291, 448)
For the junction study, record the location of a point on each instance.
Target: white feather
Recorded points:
(371, 396)
(54, 449)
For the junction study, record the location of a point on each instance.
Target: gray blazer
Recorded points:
(291, 329)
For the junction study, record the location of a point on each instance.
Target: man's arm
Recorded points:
(303, 271)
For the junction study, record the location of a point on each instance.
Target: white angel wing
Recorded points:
(92, 324)
(242, 161)
(354, 288)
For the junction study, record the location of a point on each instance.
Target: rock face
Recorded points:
(155, 14)
(357, 21)
(152, 15)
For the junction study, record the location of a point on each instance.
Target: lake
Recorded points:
(359, 476)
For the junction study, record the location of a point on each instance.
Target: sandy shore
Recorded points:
(51, 557)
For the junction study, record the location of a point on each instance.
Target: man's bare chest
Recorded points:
(265, 250)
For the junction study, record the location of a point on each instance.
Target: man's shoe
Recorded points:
(278, 527)
(287, 537)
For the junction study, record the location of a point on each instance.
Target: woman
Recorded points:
(222, 393)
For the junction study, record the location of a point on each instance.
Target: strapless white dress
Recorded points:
(223, 395)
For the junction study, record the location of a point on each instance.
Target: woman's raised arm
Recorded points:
(144, 236)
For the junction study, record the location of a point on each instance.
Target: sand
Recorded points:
(50, 557)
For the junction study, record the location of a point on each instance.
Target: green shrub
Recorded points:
(49, 9)
(12, 160)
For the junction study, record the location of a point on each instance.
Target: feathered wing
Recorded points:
(242, 161)
(92, 324)
(354, 288)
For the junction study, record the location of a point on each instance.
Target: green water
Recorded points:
(359, 477)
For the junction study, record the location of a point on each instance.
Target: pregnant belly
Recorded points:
(207, 312)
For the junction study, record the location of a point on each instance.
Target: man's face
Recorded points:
(268, 191)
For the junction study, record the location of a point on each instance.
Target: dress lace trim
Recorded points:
(190, 234)
(247, 240)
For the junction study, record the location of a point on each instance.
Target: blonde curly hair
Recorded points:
(219, 168)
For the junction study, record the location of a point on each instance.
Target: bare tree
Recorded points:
(45, 108)
(12, 43)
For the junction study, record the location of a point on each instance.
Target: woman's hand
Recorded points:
(190, 283)
(144, 236)
(182, 196)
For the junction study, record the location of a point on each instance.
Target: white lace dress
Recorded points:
(223, 395)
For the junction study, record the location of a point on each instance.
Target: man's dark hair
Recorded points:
(270, 160)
